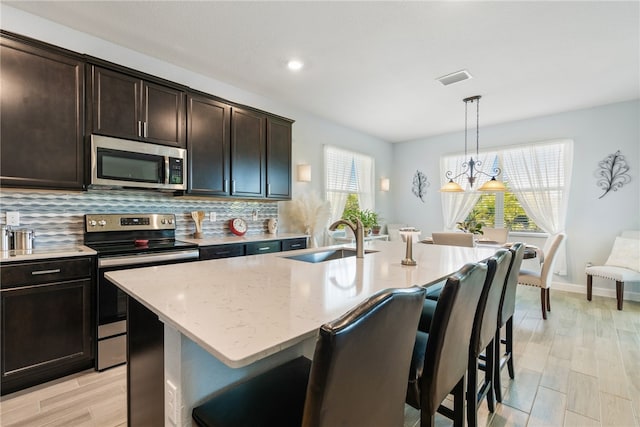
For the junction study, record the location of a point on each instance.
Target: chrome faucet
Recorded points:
(358, 231)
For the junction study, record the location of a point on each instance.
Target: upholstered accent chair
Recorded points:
(542, 279)
(453, 239)
(622, 265)
(358, 375)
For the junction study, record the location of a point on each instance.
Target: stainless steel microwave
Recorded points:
(124, 163)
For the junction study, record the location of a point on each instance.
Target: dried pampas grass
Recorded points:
(308, 214)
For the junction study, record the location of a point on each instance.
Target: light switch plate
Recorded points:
(13, 218)
(212, 216)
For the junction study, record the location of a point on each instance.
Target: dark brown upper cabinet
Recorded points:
(248, 161)
(278, 159)
(129, 107)
(42, 110)
(208, 141)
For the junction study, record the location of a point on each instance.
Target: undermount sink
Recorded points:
(326, 255)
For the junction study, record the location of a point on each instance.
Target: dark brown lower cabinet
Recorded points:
(47, 326)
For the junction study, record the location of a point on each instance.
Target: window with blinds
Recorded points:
(348, 179)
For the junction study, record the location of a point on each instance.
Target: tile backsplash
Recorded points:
(58, 216)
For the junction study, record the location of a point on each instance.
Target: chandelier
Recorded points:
(471, 169)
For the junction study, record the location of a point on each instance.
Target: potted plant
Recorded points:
(470, 225)
(368, 218)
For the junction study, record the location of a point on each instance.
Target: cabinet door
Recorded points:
(278, 159)
(46, 332)
(222, 251)
(41, 100)
(247, 153)
(163, 119)
(116, 104)
(208, 144)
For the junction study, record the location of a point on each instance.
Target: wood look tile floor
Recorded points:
(580, 367)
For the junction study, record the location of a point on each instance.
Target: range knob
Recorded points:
(163, 221)
(102, 223)
(92, 223)
(170, 220)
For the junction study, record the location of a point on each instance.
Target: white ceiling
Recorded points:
(372, 65)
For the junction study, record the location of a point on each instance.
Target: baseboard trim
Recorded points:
(582, 289)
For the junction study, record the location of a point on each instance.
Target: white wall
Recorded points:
(592, 223)
(310, 132)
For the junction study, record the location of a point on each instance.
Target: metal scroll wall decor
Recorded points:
(420, 185)
(612, 173)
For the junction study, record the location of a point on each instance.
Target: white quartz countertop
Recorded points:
(45, 253)
(247, 238)
(244, 309)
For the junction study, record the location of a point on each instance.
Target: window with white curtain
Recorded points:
(537, 180)
(348, 173)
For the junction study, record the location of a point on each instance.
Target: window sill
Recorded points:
(540, 234)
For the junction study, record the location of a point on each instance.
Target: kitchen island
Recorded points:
(227, 319)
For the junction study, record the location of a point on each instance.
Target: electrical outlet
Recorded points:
(172, 402)
(212, 216)
(254, 215)
(13, 218)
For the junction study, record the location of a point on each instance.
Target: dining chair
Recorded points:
(622, 265)
(453, 239)
(498, 235)
(543, 278)
(357, 377)
(440, 356)
(505, 318)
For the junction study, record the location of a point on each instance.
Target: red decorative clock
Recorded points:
(238, 226)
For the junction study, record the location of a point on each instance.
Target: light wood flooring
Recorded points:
(580, 367)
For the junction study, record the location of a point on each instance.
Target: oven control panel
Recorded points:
(129, 222)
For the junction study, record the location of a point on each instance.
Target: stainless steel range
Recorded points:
(126, 241)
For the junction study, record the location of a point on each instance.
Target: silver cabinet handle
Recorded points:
(146, 129)
(233, 185)
(264, 248)
(297, 245)
(36, 273)
(268, 189)
(139, 128)
(226, 185)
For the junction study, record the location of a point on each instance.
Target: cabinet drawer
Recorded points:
(221, 251)
(263, 247)
(34, 273)
(294, 244)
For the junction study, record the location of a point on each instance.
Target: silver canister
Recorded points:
(6, 238)
(23, 239)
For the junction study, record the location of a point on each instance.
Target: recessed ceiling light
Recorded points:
(295, 65)
(456, 77)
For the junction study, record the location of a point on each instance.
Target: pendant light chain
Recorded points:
(466, 106)
(477, 127)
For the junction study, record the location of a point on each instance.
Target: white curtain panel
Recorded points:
(540, 176)
(364, 173)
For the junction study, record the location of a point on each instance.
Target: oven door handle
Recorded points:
(118, 261)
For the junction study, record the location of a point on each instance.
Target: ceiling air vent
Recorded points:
(456, 77)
